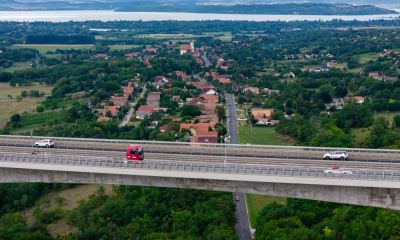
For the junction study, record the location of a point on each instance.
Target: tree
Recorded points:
(5, 76)
(379, 135)
(190, 110)
(341, 91)
(220, 110)
(396, 121)
(24, 94)
(15, 118)
(354, 115)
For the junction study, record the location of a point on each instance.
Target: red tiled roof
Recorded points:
(260, 113)
(146, 109)
(224, 80)
(202, 86)
(186, 48)
(128, 90)
(119, 101)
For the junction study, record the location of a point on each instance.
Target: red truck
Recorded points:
(134, 153)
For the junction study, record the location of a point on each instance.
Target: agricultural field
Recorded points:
(223, 36)
(44, 48)
(122, 47)
(9, 104)
(262, 136)
(18, 66)
(388, 116)
(365, 58)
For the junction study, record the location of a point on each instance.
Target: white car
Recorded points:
(48, 143)
(337, 170)
(342, 155)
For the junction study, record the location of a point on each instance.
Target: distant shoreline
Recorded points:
(312, 9)
(110, 15)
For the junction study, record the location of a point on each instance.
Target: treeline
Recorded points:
(306, 220)
(132, 213)
(9, 56)
(19, 31)
(59, 39)
(151, 213)
(16, 197)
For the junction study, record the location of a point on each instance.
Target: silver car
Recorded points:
(337, 170)
(342, 155)
(48, 143)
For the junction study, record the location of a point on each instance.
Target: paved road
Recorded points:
(129, 114)
(205, 59)
(243, 225)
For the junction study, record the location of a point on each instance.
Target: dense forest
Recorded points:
(306, 220)
(129, 213)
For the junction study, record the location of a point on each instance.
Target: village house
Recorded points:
(224, 80)
(106, 114)
(390, 78)
(211, 92)
(161, 81)
(144, 111)
(204, 87)
(186, 48)
(150, 49)
(375, 75)
(337, 103)
(355, 99)
(263, 116)
(119, 101)
(128, 90)
(270, 91)
(182, 75)
(178, 100)
(322, 69)
(132, 55)
(211, 119)
(201, 132)
(153, 99)
(102, 55)
(251, 90)
(292, 75)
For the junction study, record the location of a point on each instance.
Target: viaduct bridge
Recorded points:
(296, 172)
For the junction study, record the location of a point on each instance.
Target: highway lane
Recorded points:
(280, 152)
(120, 155)
(237, 169)
(219, 150)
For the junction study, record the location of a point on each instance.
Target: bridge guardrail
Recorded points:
(219, 145)
(203, 167)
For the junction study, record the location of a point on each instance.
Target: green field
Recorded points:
(169, 36)
(388, 116)
(365, 58)
(262, 136)
(255, 203)
(9, 105)
(122, 47)
(18, 66)
(223, 36)
(44, 48)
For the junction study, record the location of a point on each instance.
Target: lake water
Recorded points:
(64, 16)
